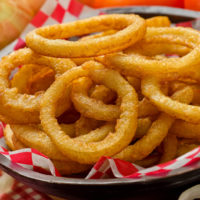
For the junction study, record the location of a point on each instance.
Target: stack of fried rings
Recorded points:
(130, 91)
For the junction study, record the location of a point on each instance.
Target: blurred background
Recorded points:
(15, 14)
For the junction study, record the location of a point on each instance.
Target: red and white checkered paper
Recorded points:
(60, 11)
(18, 191)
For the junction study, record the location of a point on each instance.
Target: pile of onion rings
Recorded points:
(127, 88)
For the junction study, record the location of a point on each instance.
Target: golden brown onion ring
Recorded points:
(170, 145)
(137, 64)
(96, 109)
(98, 35)
(89, 107)
(41, 80)
(151, 89)
(125, 128)
(70, 167)
(34, 137)
(149, 161)
(156, 134)
(12, 142)
(84, 125)
(146, 108)
(184, 129)
(196, 88)
(96, 135)
(183, 141)
(135, 82)
(24, 108)
(80, 61)
(49, 40)
(33, 78)
(158, 21)
(103, 93)
(64, 167)
(143, 126)
(183, 149)
(156, 50)
(22, 76)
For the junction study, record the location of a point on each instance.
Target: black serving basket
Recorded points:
(169, 187)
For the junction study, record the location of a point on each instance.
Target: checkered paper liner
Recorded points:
(60, 11)
(19, 191)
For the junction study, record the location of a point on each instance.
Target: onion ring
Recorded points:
(170, 68)
(103, 93)
(183, 141)
(156, 133)
(176, 85)
(183, 149)
(196, 88)
(12, 142)
(98, 35)
(70, 116)
(184, 129)
(154, 49)
(49, 40)
(33, 78)
(70, 167)
(34, 137)
(41, 80)
(90, 107)
(81, 151)
(170, 145)
(146, 108)
(64, 167)
(97, 134)
(84, 125)
(158, 21)
(80, 61)
(26, 107)
(149, 161)
(143, 126)
(151, 89)
(22, 76)
(135, 82)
